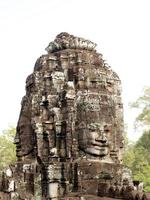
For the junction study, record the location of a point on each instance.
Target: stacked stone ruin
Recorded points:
(69, 139)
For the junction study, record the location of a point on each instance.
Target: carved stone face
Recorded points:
(93, 139)
(24, 137)
(95, 124)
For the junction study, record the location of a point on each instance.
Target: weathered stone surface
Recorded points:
(69, 138)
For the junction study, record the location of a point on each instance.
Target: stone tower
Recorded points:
(69, 138)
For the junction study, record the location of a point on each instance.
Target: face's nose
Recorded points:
(16, 140)
(102, 137)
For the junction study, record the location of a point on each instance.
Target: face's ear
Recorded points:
(82, 139)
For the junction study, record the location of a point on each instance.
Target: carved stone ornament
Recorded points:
(69, 136)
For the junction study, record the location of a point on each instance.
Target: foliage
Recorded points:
(7, 148)
(129, 156)
(143, 104)
(144, 141)
(144, 175)
(137, 158)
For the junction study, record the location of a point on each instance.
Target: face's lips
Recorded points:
(97, 150)
(97, 144)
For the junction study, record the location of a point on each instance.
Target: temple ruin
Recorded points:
(69, 138)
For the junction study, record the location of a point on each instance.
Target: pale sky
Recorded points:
(121, 29)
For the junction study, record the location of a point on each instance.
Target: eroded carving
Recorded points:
(69, 135)
(66, 41)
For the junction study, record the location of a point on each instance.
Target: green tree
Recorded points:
(141, 164)
(137, 155)
(143, 104)
(144, 175)
(7, 148)
(137, 158)
(144, 141)
(129, 155)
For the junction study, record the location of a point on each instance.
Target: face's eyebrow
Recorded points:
(94, 125)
